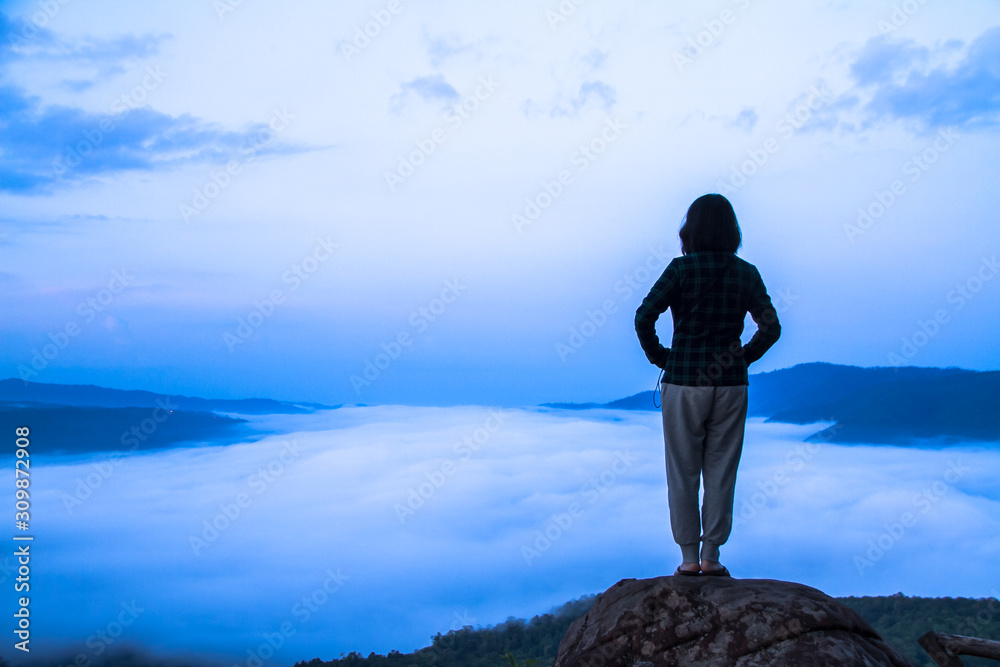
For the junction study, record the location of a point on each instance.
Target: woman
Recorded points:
(709, 291)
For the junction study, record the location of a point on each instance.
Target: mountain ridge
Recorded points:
(878, 405)
(72, 419)
(13, 390)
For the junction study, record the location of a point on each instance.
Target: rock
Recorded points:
(721, 622)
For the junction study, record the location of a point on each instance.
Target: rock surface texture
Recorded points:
(721, 622)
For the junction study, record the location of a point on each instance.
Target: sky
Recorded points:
(374, 528)
(444, 203)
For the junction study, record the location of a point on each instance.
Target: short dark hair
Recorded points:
(710, 224)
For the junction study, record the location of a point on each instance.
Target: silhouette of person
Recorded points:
(709, 291)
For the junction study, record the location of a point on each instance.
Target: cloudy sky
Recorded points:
(445, 202)
(372, 529)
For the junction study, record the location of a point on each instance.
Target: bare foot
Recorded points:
(689, 567)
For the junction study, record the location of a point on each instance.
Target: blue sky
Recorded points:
(467, 202)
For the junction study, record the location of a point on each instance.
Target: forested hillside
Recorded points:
(898, 618)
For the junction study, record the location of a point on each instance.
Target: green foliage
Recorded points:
(512, 661)
(535, 642)
(899, 619)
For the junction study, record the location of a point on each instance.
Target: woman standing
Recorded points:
(709, 291)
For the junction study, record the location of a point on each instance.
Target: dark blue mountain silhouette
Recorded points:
(872, 405)
(80, 419)
(61, 429)
(18, 391)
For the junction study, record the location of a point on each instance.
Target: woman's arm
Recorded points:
(768, 328)
(660, 297)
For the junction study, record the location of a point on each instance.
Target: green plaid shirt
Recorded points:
(706, 348)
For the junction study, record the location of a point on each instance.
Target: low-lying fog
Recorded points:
(373, 528)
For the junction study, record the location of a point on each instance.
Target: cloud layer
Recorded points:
(373, 528)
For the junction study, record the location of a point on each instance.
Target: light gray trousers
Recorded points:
(703, 432)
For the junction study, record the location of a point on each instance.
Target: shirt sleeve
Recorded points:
(766, 318)
(660, 297)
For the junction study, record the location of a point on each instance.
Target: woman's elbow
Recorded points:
(771, 331)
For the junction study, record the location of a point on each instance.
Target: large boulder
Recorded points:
(721, 622)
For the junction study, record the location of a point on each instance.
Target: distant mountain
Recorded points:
(884, 405)
(19, 391)
(79, 419)
(644, 400)
(60, 429)
(871, 405)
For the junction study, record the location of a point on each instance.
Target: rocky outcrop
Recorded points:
(721, 622)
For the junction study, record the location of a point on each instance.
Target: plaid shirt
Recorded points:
(706, 348)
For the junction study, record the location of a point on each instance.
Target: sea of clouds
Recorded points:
(373, 528)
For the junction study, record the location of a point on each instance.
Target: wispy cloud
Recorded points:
(930, 87)
(746, 119)
(590, 95)
(430, 88)
(49, 146)
(24, 40)
(882, 58)
(595, 58)
(440, 49)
